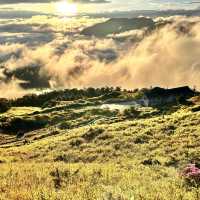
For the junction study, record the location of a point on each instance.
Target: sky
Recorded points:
(84, 6)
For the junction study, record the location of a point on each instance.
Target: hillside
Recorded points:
(98, 144)
(118, 25)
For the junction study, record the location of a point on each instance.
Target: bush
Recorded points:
(92, 133)
(4, 105)
(195, 109)
(151, 162)
(76, 142)
(64, 125)
(191, 175)
(142, 139)
(17, 124)
(131, 112)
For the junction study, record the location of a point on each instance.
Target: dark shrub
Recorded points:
(20, 134)
(173, 162)
(169, 129)
(142, 139)
(131, 112)
(57, 179)
(195, 109)
(104, 136)
(64, 125)
(67, 158)
(4, 105)
(151, 162)
(92, 133)
(20, 126)
(76, 142)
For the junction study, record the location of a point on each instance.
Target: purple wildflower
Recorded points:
(191, 174)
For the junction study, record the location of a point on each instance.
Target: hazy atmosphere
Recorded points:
(42, 45)
(99, 100)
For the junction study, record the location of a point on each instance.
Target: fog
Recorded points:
(167, 56)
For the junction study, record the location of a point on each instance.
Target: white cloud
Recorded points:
(168, 56)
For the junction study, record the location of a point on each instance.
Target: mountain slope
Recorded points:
(87, 151)
(118, 25)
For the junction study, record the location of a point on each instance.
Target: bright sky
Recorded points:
(120, 5)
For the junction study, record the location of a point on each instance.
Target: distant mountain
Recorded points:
(144, 13)
(118, 25)
(13, 14)
(30, 77)
(157, 96)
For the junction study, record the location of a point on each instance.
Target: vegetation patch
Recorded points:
(15, 125)
(69, 147)
(92, 133)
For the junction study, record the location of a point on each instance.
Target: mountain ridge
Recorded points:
(118, 25)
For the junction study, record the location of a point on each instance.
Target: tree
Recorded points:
(4, 105)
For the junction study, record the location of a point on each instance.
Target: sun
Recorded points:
(66, 8)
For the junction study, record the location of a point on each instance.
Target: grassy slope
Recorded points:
(90, 153)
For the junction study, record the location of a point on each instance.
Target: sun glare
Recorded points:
(66, 8)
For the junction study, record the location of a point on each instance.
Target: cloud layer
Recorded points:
(48, 1)
(167, 56)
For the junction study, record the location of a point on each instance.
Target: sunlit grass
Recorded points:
(17, 111)
(125, 180)
(100, 154)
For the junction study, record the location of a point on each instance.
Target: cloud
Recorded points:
(146, 13)
(174, 48)
(40, 29)
(30, 34)
(11, 89)
(8, 13)
(48, 1)
(91, 1)
(167, 56)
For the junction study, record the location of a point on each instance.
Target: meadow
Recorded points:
(85, 152)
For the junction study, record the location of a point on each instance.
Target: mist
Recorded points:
(168, 56)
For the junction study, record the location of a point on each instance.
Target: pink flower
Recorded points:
(191, 173)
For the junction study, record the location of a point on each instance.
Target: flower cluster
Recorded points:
(191, 174)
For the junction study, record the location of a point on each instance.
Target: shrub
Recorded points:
(191, 175)
(172, 162)
(142, 139)
(104, 136)
(92, 133)
(131, 112)
(68, 158)
(57, 179)
(151, 162)
(195, 109)
(17, 124)
(4, 105)
(64, 125)
(76, 142)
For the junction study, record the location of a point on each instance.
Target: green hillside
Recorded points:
(83, 148)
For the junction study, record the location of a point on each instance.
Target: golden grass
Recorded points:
(126, 180)
(82, 164)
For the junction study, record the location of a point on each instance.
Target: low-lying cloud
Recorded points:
(168, 56)
(48, 1)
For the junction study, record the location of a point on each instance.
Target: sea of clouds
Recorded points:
(168, 56)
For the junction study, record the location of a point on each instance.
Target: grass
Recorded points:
(89, 153)
(18, 111)
(91, 181)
